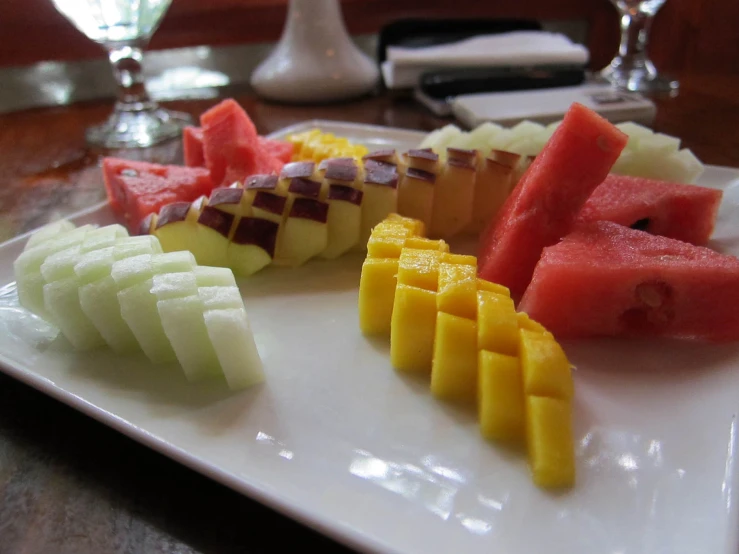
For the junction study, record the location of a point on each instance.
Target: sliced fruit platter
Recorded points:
(351, 261)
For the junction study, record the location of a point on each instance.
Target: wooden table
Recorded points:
(70, 485)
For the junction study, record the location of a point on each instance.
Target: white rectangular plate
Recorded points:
(337, 439)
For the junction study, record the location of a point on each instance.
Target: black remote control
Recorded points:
(446, 83)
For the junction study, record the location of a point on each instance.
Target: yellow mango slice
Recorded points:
(388, 237)
(387, 243)
(546, 369)
(550, 441)
(413, 328)
(420, 243)
(459, 259)
(457, 290)
(497, 326)
(315, 146)
(483, 284)
(525, 322)
(454, 368)
(501, 406)
(387, 246)
(377, 295)
(415, 226)
(419, 268)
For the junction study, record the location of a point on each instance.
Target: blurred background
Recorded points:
(695, 35)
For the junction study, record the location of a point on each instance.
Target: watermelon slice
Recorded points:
(137, 189)
(544, 204)
(279, 149)
(192, 145)
(192, 140)
(605, 279)
(230, 142)
(231, 147)
(682, 212)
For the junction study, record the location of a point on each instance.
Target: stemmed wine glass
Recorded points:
(123, 28)
(631, 69)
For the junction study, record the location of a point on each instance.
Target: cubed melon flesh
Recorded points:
(61, 291)
(98, 292)
(134, 277)
(139, 310)
(184, 325)
(103, 237)
(174, 285)
(234, 345)
(99, 302)
(49, 231)
(27, 268)
(220, 297)
(62, 302)
(214, 276)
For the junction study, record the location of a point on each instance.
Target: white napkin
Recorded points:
(404, 66)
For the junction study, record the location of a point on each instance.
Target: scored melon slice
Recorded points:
(61, 291)
(233, 340)
(103, 237)
(220, 297)
(184, 325)
(230, 332)
(49, 231)
(62, 301)
(214, 276)
(134, 277)
(27, 268)
(98, 292)
(139, 310)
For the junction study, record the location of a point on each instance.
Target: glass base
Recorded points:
(639, 80)
(138, 129)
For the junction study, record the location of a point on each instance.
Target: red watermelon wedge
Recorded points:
(230, 142)
(544, 204)
(231, 146)
(192, 145)
(137, 189)
(280, 149)
(605, 279)
(678, 211)
(192, 139)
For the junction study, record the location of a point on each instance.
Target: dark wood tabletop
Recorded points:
(71, 485)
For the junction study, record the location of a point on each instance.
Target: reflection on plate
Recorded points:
(337, 439)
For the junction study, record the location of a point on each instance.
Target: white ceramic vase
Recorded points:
(315, 59)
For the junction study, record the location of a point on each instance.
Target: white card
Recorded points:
(548, 105)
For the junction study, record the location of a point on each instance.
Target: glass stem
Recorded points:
(128, 71)
(634, 32)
